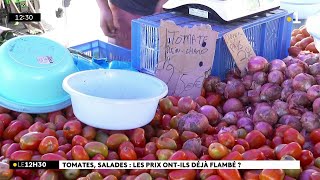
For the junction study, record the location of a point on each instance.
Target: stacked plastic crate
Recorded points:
(269, 35)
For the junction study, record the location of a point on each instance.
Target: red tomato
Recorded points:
(185, 174)
(317, 162)
(292, 135)
(19, 135)
(276, 141)
(229, 174)
(25, 116)
(65, 148)
(178, 155)
(5, 172)
(155, 173)
(72, 128)
(1, 128)
(79, 153)
(127, 153)
(214, 177)
(253, 154)
(150, 148)
(235, 155)
(316, 150)
(5, 119)
(52, 157)
(48, 145)
(174, 100)
(226, 139)
(271, 174)
(165, 105)
(205, 173)
(243, 143)
(25, 173)
(166, 143)
(238, 148)
(98, 157)
(11, 149)
(217, 151)
(164, 154)
(137, 172)
(172, 133)
(205, 158)
(165, 121)
(21, 155)
(306, 158)
(315, 136)
(49, 174)
(37, 127)
(79, 140)
(214, 99)
(107, 172)
(268, 152)
(186, 104)
(49, 132)
(89, 132)
(13, 129)
(31, 140)
(174, 111)
(139, 151)
(252, 175)
(190, 155)
(255, 139)
(281, 129)
(149, 157)
(138, 137)
(293, 149)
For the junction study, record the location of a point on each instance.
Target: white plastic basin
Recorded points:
(114, 99)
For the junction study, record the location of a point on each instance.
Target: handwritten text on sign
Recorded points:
(186, 57)
(239, 47)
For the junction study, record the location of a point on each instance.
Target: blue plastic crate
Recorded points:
(105, 55)
(99, 49)
(268, 34)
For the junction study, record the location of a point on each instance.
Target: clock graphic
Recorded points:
(24, 17)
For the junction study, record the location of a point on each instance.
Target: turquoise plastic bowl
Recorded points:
(32, 69)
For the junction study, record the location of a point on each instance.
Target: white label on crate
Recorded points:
(199, 13)
(239, 47)
(45, 60)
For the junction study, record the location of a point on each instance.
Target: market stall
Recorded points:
(203, 94)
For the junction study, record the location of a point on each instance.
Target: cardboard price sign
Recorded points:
(186, 57)
(239, 47)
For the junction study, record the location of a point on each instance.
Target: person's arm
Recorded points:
(159, 6)
(106, 19)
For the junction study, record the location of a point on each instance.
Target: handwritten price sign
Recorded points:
(239, 47)
(186, 57)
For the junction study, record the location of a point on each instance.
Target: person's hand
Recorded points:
(159, 8)
(107, 23)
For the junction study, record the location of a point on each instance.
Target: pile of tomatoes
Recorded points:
(61, 136)
(301, 40)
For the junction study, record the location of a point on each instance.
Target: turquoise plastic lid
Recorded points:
(31, 74)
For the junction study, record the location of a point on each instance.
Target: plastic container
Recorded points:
(105, 55)
(99, 49)
(31, 74)
(114, 99)
(269, 36)
(303, 9)
(313, 27)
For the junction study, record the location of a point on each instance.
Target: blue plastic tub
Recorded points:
(105, 55)
(269, 36)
